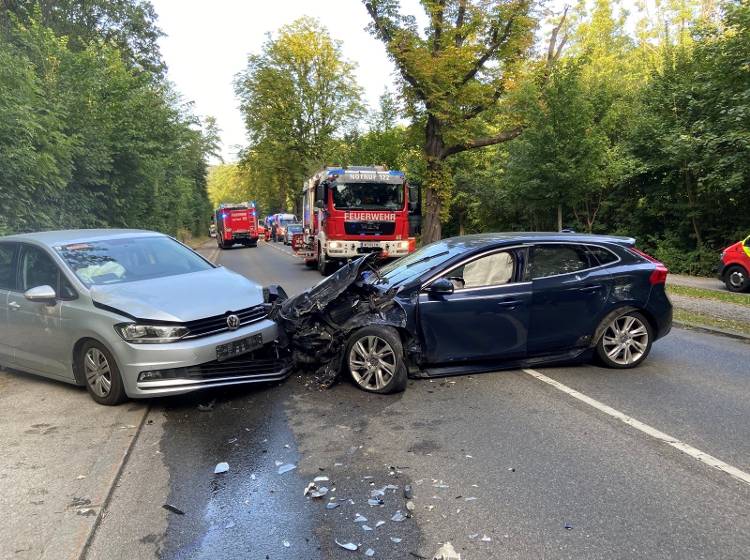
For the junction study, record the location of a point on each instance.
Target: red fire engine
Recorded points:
(236, 223)
(349, 212)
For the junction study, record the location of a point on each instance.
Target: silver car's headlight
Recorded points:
(150, 334)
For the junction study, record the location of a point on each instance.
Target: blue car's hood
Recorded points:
(181, 298)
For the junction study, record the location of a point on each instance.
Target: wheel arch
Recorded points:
(617, 312)
(77, 369)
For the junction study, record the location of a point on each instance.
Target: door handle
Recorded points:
(14, 306)
(509, 303)
(593, 288)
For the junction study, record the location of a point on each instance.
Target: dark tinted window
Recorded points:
(7, 266)
(37, 269)
(602, 255)
(550, 260)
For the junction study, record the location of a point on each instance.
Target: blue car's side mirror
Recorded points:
(441, 286)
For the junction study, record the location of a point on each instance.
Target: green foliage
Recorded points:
(296, 96)
(90, 139)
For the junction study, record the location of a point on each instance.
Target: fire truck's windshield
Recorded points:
(368, 196)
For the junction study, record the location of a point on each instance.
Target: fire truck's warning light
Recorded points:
(396, 173)
(223, 214)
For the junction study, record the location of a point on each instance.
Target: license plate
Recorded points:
(370, 244)
(239, 347)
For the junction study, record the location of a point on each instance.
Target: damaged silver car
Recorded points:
(480, 303)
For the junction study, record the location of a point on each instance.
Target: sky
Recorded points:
(206, 44)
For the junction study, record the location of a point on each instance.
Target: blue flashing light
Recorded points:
(223, 214)
(396, 173)
(337, 171)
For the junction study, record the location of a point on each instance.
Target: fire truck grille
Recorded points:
(369, 228)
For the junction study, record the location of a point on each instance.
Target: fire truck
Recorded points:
(347, 212)
(236, 223)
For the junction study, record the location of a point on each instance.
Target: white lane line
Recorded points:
(709, 460)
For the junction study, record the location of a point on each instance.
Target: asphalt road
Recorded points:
(502, 465)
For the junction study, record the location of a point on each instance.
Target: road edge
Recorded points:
(712, 330)
(112, 485)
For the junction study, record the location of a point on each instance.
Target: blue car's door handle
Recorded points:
(591, 288)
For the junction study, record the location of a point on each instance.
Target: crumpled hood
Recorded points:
(324, 292)
(181, 298)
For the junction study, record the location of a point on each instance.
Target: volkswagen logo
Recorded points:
(233, 322)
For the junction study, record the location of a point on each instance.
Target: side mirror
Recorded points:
(41, 294)
(440, 287)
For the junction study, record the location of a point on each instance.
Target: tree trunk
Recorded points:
(559, 217)
(434, 145)
(691, 205)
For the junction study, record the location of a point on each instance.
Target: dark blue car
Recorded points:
(481, 303)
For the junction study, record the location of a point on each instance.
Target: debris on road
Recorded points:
(286, 468)
(398, 517)
(173, 509)
(375, 502)
(207, 407)
(485, 538)
(410, 506)
(312, 490)
(332, 505)
(369, 552)
(408, 493)
(360, 518)
(446, 552)
(286, 544)
(396, 539)
(568, 526)
(347, 546)
(221, 468)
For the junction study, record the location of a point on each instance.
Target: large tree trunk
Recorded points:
(434, 145)
(559, 217)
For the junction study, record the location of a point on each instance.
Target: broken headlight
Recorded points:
(150, 334)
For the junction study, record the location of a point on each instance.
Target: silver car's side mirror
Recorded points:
(41, 294)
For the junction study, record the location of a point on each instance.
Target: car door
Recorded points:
(487, 315)
(570, 291)
(7, 283)
(39, 342)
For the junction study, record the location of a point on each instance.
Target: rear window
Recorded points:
(115, 261)
(551, 260)
(602, 255)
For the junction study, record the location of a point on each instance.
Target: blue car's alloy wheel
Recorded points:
(626, 341)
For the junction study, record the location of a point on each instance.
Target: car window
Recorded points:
(7, 266)
(491, 270)
(130, 259)
(551, 260)
(602, 255)
(37, 269)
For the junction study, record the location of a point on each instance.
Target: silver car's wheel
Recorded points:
(372, 362)
(97, 368)
(98, 372)
(626, 341)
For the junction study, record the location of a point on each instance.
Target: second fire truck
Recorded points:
(347, 212)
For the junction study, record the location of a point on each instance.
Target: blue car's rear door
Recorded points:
(570, 293)
(487, 316)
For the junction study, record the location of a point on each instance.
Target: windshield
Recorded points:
(368, 196)
(114, 261)
(417, 263)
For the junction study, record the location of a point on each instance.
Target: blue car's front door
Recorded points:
(486, 317)
(570, 295)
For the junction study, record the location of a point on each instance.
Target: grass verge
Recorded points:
(700, 293)
(702, 320)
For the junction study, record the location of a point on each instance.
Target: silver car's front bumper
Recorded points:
(189, 365)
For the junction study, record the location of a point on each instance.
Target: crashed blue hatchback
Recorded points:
(480, 303)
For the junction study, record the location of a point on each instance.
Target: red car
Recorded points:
(734, 269)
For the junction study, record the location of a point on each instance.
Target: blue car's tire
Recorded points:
(625, 341)
(374, 358)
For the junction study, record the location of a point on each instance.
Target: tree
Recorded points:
(296, 95)
(469, 59)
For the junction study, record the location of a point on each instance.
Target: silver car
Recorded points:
(130, 313)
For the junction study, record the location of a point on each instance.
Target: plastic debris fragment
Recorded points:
(366, 527)
(568, 526)
(375, 502)
(286, 468)
(173, 509)
(398, 516)
(440, 484)
(485, 538)
(396, 539)
(408, 493)
(446, 552)
(321, 479)
(369, 552)
(347, 546)
(221, 468)
(360, 518)
(379, 523)
(470, 498)
(287, 544)
(332, 505)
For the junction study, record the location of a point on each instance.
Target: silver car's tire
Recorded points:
(375, 360)
(626, 341)
(101, 374)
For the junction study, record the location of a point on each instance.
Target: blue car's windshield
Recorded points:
(419, 262)
(114, 261)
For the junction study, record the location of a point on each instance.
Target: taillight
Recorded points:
(659, 274)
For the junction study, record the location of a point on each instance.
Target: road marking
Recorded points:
(709, 460)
